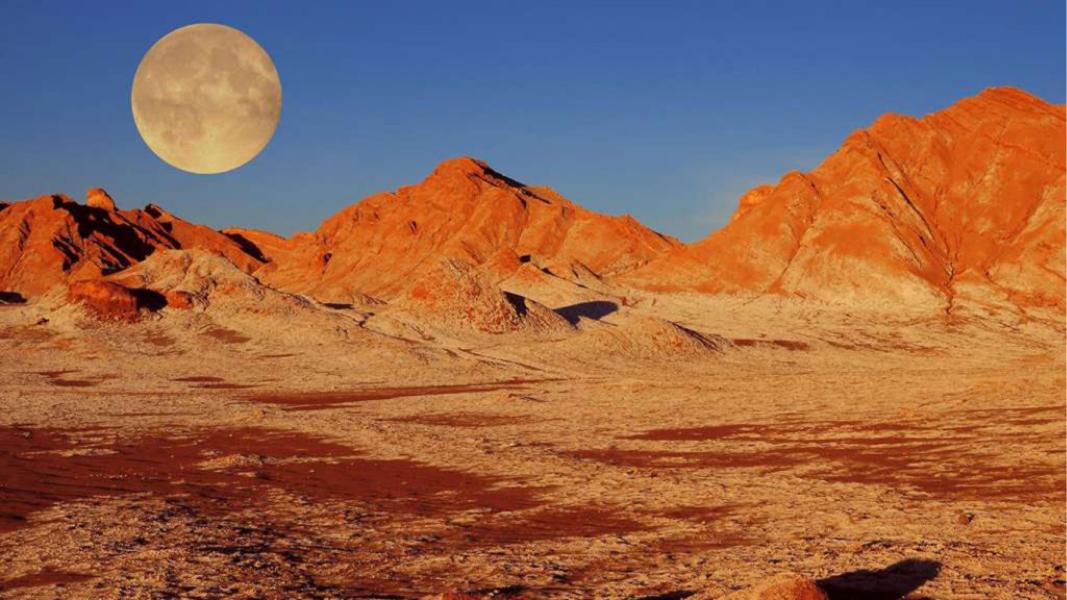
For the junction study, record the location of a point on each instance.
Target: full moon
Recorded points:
(206, 98)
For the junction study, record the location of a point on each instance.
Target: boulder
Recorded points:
(786, 586)
(108, 300)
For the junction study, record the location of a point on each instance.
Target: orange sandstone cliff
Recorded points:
(968, 201)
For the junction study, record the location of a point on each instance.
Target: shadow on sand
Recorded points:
(894, 582)
(12, 298)
(596, 310)
(150, 299)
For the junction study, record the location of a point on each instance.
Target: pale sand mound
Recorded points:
(624, 340)
(206, 279)
(540, 283)
(196, 308)
(455, 296)
(186, 294)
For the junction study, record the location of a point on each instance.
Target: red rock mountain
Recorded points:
(463, 211)
(964, 204)
(53, 239)
(968, 201)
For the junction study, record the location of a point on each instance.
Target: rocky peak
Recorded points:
(50, 240)
(463, 210)
(964, 203)
(98, 198)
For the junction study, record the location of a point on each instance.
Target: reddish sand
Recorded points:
(39, 474)
(200, 379)
(60, 378)
(226, 336)
(47, 467)
(325, 400)
(471, 420)
(786, 344)
(46, 577)
(929, 465)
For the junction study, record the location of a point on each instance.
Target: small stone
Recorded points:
(105, 299)
(179, 299)
(786, 586)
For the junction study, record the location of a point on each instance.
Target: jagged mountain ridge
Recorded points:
(52, 240)
(967, 202)
(465, 211)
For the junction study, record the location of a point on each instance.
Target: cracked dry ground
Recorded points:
(883, 475)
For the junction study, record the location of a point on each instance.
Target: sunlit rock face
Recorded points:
(53, 239)
(465, 211)
(98, 198)
(107, 300)
(966, 202)
(962, 210)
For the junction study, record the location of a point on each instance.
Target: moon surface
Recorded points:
(206, 98)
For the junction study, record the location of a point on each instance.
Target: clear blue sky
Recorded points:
(665, 110)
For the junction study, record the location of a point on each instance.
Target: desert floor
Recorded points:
(207, 455)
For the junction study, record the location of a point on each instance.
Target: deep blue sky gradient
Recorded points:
(665, 110)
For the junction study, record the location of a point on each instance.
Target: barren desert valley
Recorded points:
(473, 387)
